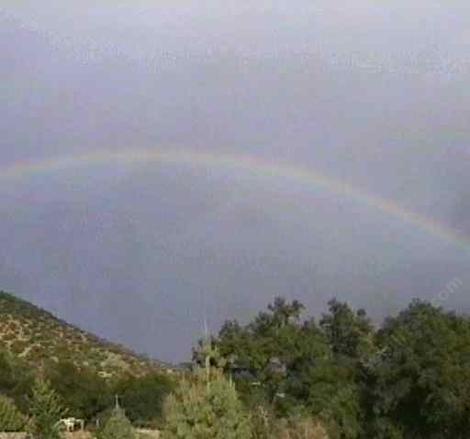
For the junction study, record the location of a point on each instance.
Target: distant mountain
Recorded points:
(36, 336)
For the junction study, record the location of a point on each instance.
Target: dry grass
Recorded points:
(304, 429)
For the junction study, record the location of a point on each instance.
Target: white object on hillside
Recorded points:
(71, 423)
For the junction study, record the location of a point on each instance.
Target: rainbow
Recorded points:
(255, 165)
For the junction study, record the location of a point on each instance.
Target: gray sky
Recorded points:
(374, 94)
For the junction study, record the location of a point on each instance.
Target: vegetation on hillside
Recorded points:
(37, 336)
(84, 371)
(283, 375)
(11, 419)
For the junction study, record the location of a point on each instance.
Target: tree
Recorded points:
(117, 426)
(144, 396)
(46, 410)
(350, 333)
(202, 409)
(11, 419)
(290, 365)
(83, 392)
(421, 384)
(260, 354)
(16, 379)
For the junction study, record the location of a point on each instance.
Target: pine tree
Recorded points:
(117, 426)
(11, 419)
(205, 409)
(46, 410)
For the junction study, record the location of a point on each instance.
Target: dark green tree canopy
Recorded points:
(409, 378)
(422, 381)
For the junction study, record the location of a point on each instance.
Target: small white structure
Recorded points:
(71, 424)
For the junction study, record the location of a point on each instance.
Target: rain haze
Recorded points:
(373, 95)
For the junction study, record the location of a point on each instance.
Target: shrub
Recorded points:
(11, 419)
(84, 392)
(143, 397)
(117, 426)
(46, 410)
(206, 409)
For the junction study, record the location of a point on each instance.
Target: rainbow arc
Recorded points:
(251, 164)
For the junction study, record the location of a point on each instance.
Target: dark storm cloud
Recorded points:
(375, 95)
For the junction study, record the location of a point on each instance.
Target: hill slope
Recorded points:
(35, 335)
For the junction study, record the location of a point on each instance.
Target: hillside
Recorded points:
(35, 335)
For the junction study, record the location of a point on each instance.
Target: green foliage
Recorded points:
(410, 378)
(332, 395)
(421, 385)
(117, 427)
(206, 410)
(290, 364)
(11, 419)
(46, 410)
(15, 379)
(144, 396)
(349, 333)
(83, 392)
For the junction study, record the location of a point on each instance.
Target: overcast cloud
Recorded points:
(375, 94)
